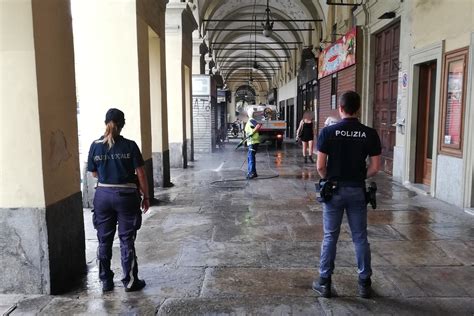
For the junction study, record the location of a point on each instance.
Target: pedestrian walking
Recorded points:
(305, 133)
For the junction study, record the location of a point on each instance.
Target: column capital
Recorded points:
(179, 15)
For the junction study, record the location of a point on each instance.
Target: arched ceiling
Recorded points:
(232, 42)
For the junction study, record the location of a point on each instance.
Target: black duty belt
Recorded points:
(350, 184)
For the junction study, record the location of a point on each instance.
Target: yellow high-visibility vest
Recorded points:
(249, 130)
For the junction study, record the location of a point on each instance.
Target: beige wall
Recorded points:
(38, 98)
(144, 82)
(159, 112)
(435, 20)
(180, 24)
(175, 91)
(105, 38)
(21, 177)
(56, 98)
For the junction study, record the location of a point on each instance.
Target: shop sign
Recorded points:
(339, 55)
(221, 96)
(201, 85)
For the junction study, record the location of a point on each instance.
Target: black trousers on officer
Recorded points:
(112, 206)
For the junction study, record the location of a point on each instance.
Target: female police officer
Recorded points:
(342, 152)
(119, 167)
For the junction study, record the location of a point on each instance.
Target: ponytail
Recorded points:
(111, 132)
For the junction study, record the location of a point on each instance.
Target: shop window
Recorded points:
(453, 102)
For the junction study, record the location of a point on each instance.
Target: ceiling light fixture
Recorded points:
(268, 25)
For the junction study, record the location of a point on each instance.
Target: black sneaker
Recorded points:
(365, 288)
(251, 176)
(322, 287)
(305, 159)
(136, 286)
(311, 159)
(108, 285)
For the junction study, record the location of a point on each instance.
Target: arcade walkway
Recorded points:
(252, 248)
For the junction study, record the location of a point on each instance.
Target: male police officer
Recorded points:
(253, 140)
(342, 152)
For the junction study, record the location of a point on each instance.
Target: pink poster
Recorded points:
(340, 55)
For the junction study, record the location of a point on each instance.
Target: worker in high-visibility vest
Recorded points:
(253, 140)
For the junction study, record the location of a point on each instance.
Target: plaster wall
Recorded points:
(19, 187)
(452, 24)
(452, 21)
(159, 111)
(175, 87)
(107, 72)
(42, 231)
(144, 86)
(158, 93)
(56, 98)
(289, 90)
(180, 24)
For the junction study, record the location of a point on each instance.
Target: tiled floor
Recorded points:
(237, 248)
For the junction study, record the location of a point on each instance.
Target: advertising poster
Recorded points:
(340, 55)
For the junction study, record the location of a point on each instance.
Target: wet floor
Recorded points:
(216, 245)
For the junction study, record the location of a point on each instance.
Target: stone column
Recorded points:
(180, 24)
(112, 57)
(41, 218)
(159, 112)
(196, 53)
(151, 24)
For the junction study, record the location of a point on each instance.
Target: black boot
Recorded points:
(311, 159)
(136, 286)
(106, 275)
(305, 159)
(107, 285)
(365, 288)
(323, 287)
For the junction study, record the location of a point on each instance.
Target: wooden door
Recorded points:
(425, 123)
(387, 47)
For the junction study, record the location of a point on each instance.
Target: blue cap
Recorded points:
(116, 116)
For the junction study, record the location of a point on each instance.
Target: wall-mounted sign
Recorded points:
(201, 85)
(221, 96)
(339, 55)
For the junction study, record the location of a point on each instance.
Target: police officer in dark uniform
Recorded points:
(343, 149)
(119, 167)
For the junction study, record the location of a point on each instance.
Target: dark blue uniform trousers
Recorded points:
(112, 206)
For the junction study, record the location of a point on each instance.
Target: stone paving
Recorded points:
(252, 247)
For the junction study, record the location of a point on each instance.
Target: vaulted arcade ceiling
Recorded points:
(233, 29)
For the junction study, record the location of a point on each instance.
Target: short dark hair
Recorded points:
(350, 102)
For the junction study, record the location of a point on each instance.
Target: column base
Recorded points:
(43, 249)
(178, 155)
(161, 169)
(190, 149)
(149, 175)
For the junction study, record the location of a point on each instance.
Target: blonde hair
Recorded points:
(111, 131)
